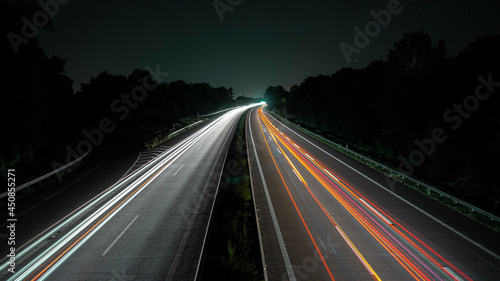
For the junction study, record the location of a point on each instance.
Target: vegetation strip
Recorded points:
(232, 250)
(495, 225)
(162, 137)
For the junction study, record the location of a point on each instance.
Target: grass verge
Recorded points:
(232, 250)
(157, 136)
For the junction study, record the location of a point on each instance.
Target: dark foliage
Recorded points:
(232, 251)
(37, 98)
(383, 109)
(41, 114)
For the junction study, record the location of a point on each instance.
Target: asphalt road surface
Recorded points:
(150, 225)
(323, 216)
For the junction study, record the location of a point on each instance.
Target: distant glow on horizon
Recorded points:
(111, 35)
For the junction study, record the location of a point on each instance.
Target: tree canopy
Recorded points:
(385, 108)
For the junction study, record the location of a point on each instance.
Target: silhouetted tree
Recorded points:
(37, 96)
(383, 108)
(276, 98)
(411, 85)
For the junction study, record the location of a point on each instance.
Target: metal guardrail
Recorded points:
(404, 176)
(187, 127)
(174, 133)
(39, 179)
(62, 168)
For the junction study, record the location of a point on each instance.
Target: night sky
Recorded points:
(258, 44)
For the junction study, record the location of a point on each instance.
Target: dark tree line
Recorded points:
(35, 93)
(112, 96)
(390, 107)
(41, 114)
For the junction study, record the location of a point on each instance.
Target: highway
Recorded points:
(324, 216)
(150, 225)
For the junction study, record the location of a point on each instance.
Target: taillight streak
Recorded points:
(400, 252)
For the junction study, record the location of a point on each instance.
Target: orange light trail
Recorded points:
(298, 211)
(405, 257)
(62, 252)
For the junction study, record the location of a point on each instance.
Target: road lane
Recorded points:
(313, 254)
(156, 218)
(360, 208)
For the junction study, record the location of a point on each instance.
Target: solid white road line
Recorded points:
(281, 242)
(180, 250)
(180, 148)
(400, 198)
